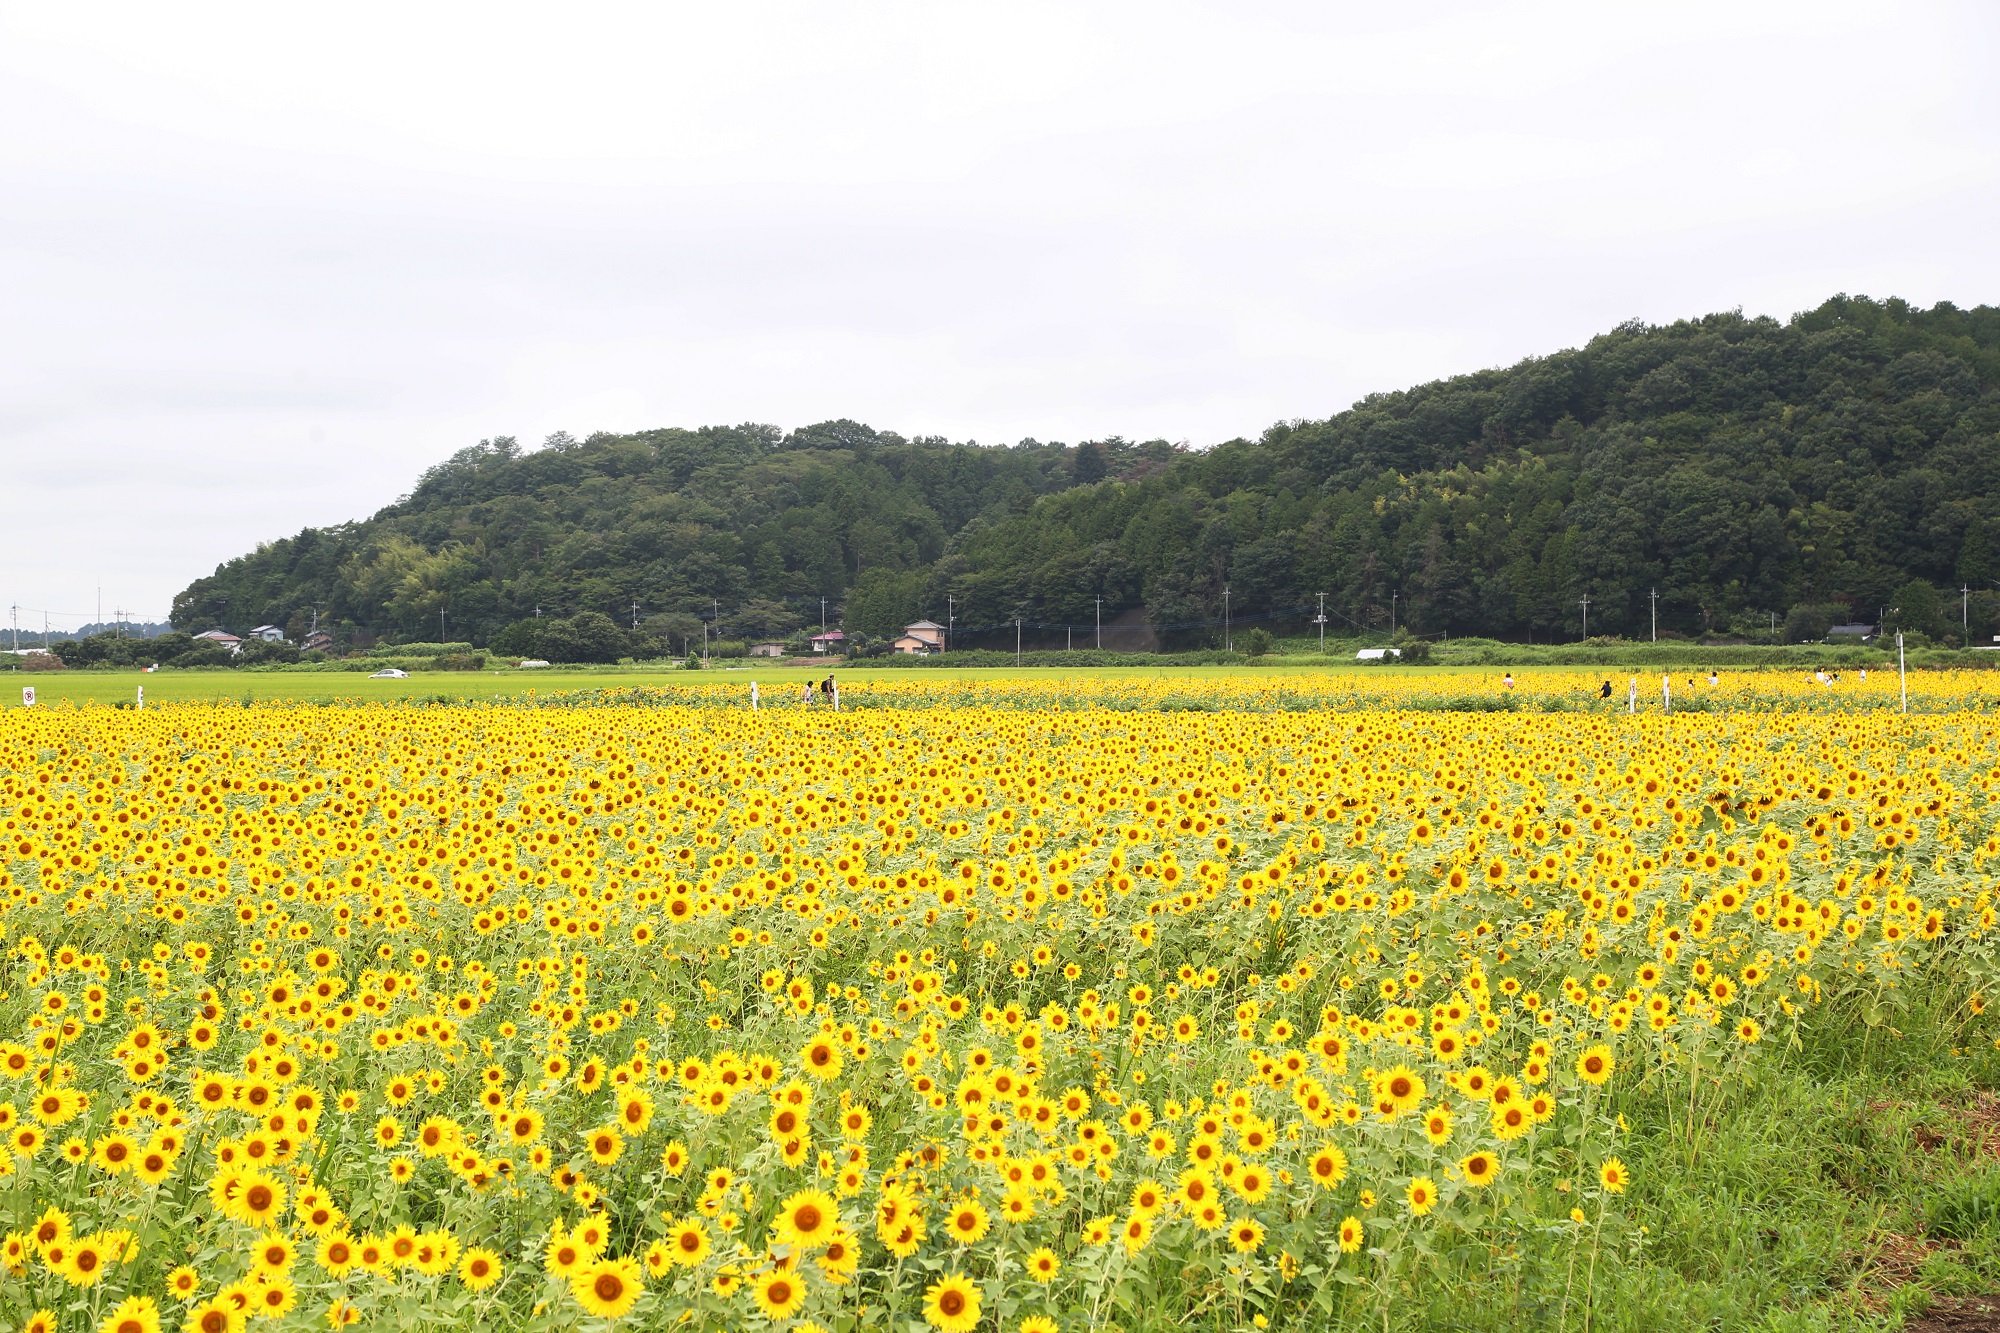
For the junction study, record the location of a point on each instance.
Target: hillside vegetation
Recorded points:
(1750, 471)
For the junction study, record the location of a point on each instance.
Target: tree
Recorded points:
(589, 636)
(1916, 606)
(1088, 466)
(520, 639)
(883, 601)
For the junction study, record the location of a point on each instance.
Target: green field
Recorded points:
(107, 687)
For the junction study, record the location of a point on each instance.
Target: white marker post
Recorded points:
(1902, 674)
(1632, 696)
(753, 696)
(27, 696)
(140, 702)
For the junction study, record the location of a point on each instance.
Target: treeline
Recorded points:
(1729, 474)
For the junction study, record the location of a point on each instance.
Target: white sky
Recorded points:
(261, 264)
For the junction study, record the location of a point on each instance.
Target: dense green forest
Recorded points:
(1751, 472)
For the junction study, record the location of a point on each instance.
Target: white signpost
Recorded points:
(27, 696)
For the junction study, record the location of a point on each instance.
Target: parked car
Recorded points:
(390, 673)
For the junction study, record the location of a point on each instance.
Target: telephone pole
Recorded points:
(635, 615)
(1964, 617)
(1100, 623)
(1320, 620)
(1655, 595)
(1017, 640)
(822, 615)
(1585, 599)
(950, 619)
(1392, 611)
(17, 627)
(1227, 644)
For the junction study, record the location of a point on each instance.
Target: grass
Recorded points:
(109, 687)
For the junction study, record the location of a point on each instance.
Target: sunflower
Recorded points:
(135, 1314)
(273, 1254)
(806, 1219)
(1479, 1169)
(274, 1296)
(951, 1304)
(966, 1223)
(1136, 1232)
(1401, 1089)
(1245, 1235)
(1422, 1195)
(1042, 1265)
(89, 1256)
(1253, 1182)
(1328, 1166)
(607, 1288)
(562, 1256)
(1352, 1233)
(687, 1242)
(1613, 1176)
(259, 1200)
(337, 1254)
(779, 1293)
(1595, 1064)
(1437, 1126)
(841, 1257)
(1037, 1323)
(605, 1145)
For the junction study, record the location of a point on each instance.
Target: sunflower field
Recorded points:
(981, 1014)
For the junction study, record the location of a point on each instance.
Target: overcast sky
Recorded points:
(262, 264)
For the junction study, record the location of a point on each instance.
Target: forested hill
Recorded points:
(1740, 467)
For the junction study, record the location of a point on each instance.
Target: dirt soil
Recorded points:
(1960, 1314)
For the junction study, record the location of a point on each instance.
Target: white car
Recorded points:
(390, 673)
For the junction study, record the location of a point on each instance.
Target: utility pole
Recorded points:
(441, 637)
(950, 619)
(1227, 643)
(1585, 599)
(1964, 617)
(822, 615)
(1320, 620)
(1100, 623)
(1774, 623)
(1392, 611)
(635, 615)
(17, 627)
(1017, 640)
(1655, 594)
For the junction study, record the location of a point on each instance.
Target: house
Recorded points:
(923, 637)
(220, 638)
(767, 650)
(1862, 632)
(828, 641)
(319, 641)
(268, 633)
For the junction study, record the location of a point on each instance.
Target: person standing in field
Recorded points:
(1604, 690)
(806, 694)
(1666, 692)
(1507, 681)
